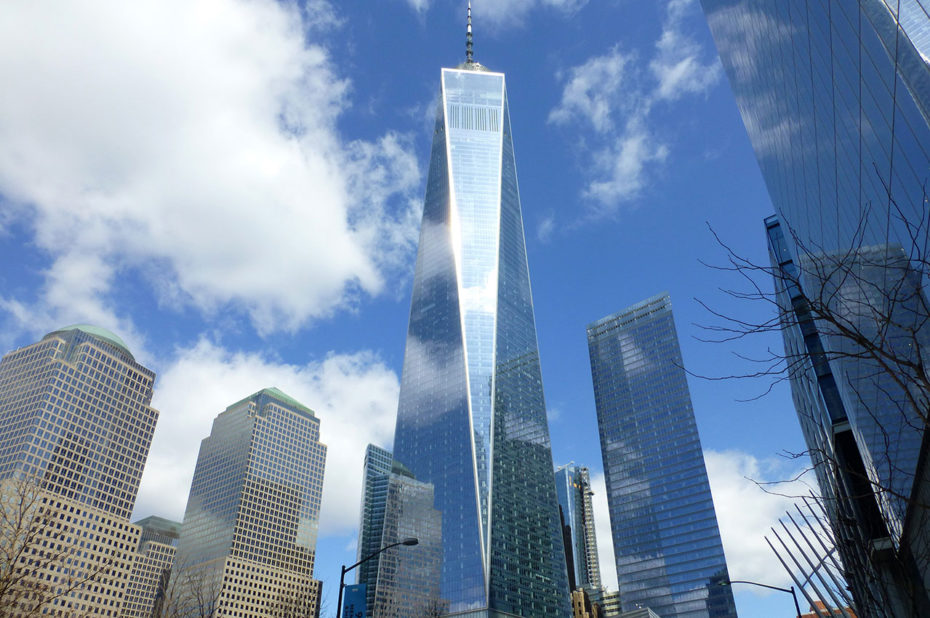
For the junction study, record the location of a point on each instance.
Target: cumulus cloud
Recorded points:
(615, 95)
(353, 395)
(677, 66)
(746, 513)
(591, 90)
(194, 145)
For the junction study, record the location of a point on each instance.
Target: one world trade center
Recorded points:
(471, 417)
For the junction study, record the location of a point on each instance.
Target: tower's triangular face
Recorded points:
(471, 418)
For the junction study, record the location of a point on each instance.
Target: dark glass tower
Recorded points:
(573, 488)
(835, 97)
(471, 418)
(666, 541)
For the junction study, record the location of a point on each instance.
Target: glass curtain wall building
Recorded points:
(835, 97)
(403, 581)
(666, 541)
(248, 541)
(573, 488)
(865, 449)
(471, 417)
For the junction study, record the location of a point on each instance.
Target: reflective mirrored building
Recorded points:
(471, 417)
(403, 581)
(835, 97)
(573, 488)
(666, 541)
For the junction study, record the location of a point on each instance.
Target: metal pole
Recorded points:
(342, 579)
(796, 606)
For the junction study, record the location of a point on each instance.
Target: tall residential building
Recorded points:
(835, 97)
(471, 418)
(402, 581)
(151, 567)
(75, 431)
(666, 541)
(573, 488)
(248, 541)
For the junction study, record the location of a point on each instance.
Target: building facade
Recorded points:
(248, 541)
(75, 429)
(151, 567)
(402, 581)
(573, 489)
(863, 436)
(835, 97)
(666, 542)
(471, 416)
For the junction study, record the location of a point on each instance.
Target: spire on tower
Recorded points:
(469, 43)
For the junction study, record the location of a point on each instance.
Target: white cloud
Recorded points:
(617, 96)
(625, 168)
(677, 66)
(591, 91)
(496, 13)
(195, 144)
(605, 543)
(354, 396)
(746, 513)
(545, 227)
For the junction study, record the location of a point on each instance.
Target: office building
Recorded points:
(666, 542)
(403, 581)
(835, 97)
(471, 418)
(863, 434)
(248, 541)
(151, 567)
(75, 431)
(573, 489)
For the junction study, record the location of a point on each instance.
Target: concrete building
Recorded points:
(75, 431)
(248, 541)
(151, 567)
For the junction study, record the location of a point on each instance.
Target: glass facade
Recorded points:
(377, 470)
(573, 488)
(666, 541)
(253, 510)
(835, 97)
(471, 417)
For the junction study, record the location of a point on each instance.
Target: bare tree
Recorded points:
(191, 592)
(43, 560)
(856, 328)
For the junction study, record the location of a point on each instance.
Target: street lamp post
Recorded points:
(728, 582)
(342, 577)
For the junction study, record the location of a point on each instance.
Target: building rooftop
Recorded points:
(99, 333)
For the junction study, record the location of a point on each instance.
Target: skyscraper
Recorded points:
(151, 568)
(248, 541)
(573, 488)
(400, 582)
(666, 541)
(862, 431)
(835, 97)
(75, 431)
(471, 418)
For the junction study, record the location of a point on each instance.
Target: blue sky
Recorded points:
(234, 188)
